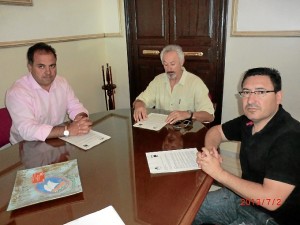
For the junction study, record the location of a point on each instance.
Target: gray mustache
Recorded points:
(252, 106)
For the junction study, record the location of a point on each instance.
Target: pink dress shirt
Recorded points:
(35, 111)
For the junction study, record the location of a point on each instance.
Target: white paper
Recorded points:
(155, 121)
(172, 161)
(106, 216)
(87, 141)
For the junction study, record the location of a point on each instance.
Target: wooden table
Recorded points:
(112, 173)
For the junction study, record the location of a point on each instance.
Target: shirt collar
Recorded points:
(35, 84)
(183, 77)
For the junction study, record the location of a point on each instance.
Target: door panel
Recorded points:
(190, 21)
(196, 25)
(149, 26)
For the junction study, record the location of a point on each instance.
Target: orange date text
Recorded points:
(260, 201)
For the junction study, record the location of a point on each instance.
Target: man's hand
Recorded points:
(177, 115)
(80, 125)
(210, 161)
(140, 111)
(80, 115)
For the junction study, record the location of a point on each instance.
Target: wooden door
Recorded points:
(198, 26)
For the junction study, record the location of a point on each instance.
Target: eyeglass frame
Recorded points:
(182, 124)
(259, 93)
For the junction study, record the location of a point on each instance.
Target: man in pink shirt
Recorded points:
(39, 101)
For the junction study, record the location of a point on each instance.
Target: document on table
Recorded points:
(107, 216)
(172, 160)
(155, 121)
(87, 141)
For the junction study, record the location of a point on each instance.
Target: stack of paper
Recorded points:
(155, 121)
(172, 161)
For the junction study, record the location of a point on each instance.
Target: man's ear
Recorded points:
(279, 97)
(29, 67)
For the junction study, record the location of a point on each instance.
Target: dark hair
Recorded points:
(41, 46)
(265, 71)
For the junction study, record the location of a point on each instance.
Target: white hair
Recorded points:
(171, 48)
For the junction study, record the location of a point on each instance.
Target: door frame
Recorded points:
(217, 99)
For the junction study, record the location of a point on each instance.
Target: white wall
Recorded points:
(242, 53)
(79, 61)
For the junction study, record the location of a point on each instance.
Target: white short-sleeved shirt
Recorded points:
(190, 93)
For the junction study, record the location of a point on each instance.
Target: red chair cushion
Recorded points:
(5, 126)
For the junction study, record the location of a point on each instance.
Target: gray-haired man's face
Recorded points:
(172, 64)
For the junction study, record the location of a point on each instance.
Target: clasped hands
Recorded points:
(80, 125)
(209, 160)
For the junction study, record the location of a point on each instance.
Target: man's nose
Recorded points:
(252, 97)
(47, 70)
(168, 68)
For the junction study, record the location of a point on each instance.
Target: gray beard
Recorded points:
(171, 76)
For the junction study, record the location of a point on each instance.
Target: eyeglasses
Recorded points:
(258, 93)
(182, 124)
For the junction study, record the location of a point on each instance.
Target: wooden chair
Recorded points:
(109, 88)
(5, 126)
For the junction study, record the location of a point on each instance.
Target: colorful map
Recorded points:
(45, 183)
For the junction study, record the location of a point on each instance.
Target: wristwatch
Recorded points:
(190, 112)
(66, 132)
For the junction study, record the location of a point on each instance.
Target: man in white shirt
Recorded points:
(176, 90)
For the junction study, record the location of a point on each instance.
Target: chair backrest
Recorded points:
(5, 125)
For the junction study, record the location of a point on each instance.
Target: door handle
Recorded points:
(156, 52)
(150, 52)
(198, 54)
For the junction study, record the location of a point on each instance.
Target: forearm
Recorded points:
(253, 193)
(57, 131)
(244, 188)
(203, 116)
(82, 125)
(214, 137)
(138, 103)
